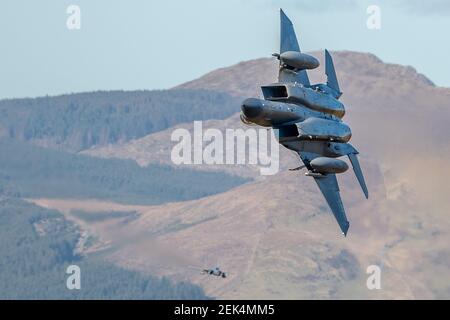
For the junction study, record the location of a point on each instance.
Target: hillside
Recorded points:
(31, 171)
(37, 246)
(78, 121)
(156, 148)
(277, 240)
(277, 236)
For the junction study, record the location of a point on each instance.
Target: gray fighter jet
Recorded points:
(216, 272)
(309, 119)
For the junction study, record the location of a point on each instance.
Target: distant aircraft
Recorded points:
(309, 119)
(212, 272)
(215, 272)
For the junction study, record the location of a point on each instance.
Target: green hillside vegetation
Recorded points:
(37, 245)
(33, 172)
(78, 121)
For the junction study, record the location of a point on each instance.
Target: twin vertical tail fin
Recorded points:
(289, 42)
(330, 71)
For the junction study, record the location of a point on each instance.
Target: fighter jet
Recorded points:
(308, 119)
(212, 272)
(215, 272)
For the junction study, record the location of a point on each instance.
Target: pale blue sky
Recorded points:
(155, 44)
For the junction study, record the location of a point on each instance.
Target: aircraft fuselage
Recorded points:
(297, 119)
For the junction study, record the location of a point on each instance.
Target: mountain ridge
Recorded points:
(263, 69)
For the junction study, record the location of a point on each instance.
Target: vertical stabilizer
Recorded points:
(332, 81)
(289, 42)
(288, 37)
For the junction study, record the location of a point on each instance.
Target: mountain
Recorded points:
(276, 236)
(244, 79)
(78, 121)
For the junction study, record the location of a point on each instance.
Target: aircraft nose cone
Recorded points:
(252, 107)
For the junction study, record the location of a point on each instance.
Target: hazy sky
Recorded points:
(156, 44)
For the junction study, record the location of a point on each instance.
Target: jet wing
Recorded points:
(288, 42)
(329, 187)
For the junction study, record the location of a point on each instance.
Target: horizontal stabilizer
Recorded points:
(330, 189)
(358, 172)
